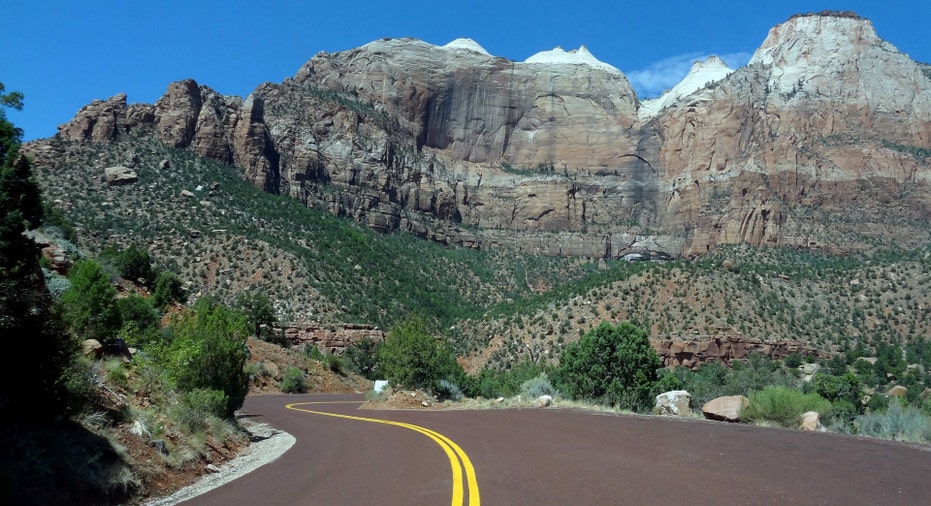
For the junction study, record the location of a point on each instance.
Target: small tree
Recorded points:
(362, 357)
(259, 311)
(613, 364)
(135, 263)
(412, 358)
(208, 351)
(168, 289)
(90, 303)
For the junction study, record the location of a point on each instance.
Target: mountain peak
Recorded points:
(580, 56)
(813, 37)
(468, 45)
(703, 72)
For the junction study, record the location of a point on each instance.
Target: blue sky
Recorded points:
(64, 54)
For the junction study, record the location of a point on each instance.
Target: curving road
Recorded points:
(561, 457)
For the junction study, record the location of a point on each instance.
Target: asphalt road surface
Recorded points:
(560, 457)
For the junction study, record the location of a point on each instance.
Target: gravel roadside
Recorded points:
(268, 444)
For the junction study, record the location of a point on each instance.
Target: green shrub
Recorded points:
(292, 381)
(612, 364)
(540, 385)
(137, 311)
(196, 408)
(313, 353)
(168, 289)
(412, 358)
(447, 390)
(134, 263)
(899, 423)
(334, 363)
(491, 383)
(90, 303)
(208, 351)
(362, 358)
(783, 405)
(843, 392)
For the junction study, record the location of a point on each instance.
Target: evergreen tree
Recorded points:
(90, 303)
(613, 364)
(259, 312)
(412, 358)
(29, 325)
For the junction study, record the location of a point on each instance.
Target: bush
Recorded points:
(783, 406)
(491, 383)
(334, 363)
(412, 358)
(208, 351)
(137, 311)
(540, 385)
(843, 392)
(168, 289)
(313, 353)
(198, 406)
(362, 358)
(793, 361)
(899, 423)
(90, 303)
(615, 365)
(447, 390)
(134, 263)
(292, 381)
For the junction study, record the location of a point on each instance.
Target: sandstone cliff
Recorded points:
(821, 141)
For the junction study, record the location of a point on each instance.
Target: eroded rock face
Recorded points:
(723, 349)
(823, 107)
(820, 142)
(328, 340)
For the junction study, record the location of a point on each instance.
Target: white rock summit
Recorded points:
(701, 75)
(580, 56)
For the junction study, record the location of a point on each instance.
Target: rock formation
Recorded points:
(821, 141)
(724, 349)
(726, 408)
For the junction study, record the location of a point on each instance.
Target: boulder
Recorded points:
(675, 402)
(91, 346)
(544, 401)
(897, 391)
(726, 408)
(119, 175)
(811, 421)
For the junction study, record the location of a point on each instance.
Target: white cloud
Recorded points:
(654, 79)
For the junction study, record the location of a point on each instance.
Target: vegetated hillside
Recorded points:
(224, 236)
(227, 237)
(830, 303)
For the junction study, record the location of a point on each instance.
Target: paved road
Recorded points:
(559, 457)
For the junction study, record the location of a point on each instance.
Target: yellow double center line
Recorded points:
(458, 460)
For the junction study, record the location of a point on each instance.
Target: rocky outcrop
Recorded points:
(822, 141)
(817, 117)
(724, 349)
(327, 339)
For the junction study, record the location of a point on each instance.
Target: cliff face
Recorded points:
(821, 141)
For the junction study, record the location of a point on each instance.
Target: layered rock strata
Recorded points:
(822, 141)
